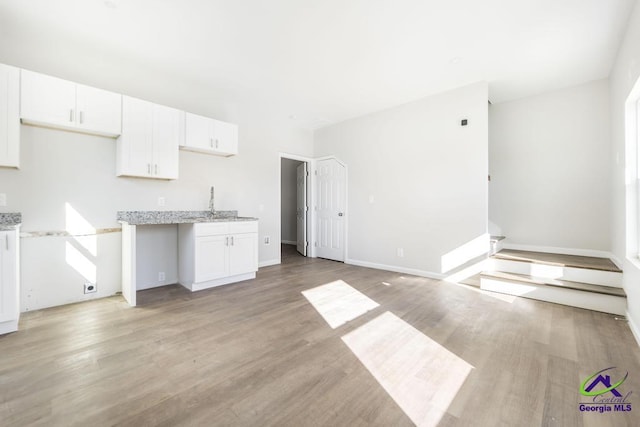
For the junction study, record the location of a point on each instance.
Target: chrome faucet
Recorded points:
(211, 204)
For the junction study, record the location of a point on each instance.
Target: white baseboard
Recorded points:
(8, 326)
(617, 261)
(634, 328)
(288, 242)
(396, 269)
(564, 251)
(269, 262)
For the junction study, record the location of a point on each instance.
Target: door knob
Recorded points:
(340, 214)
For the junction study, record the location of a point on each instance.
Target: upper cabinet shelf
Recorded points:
(53, 102)
(210, 136)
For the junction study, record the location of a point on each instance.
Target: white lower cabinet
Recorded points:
(9, 305)
(217, 253)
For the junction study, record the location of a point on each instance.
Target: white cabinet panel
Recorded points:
(166, 137)
(9, 307)
(135, 146)
(50, 101)
(225, 136)
(199, 132)
(47, 100)
(9, 116)
(212, 258)
(210, 136)
(148, 146)
(209, 256)
(243, 255)
(99, 110)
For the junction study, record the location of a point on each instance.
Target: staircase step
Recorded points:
(566, 284)
(596, 271)
(593, 297)
(561, 260)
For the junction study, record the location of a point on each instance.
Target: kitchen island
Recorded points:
(214, 249)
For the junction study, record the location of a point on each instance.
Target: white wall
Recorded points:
(624, 75)
(550, 170)
(426, 174)
(288, 200)
(60, 167)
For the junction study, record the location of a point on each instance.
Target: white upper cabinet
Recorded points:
(50, 101)
(9, 116)
(99, 110)
(210, 136)
(151, 135)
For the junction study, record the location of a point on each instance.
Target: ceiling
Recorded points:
(320, 61)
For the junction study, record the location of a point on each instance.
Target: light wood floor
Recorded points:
(258, 353)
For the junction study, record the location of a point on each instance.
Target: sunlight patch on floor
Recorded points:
(421, 376)
(338, 302)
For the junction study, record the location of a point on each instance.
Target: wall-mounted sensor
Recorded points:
(463, 122)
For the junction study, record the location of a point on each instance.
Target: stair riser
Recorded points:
(495, 246)
(583, 275)
(589, 300)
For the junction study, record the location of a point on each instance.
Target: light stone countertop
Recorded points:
(10, 220)
(179, 217)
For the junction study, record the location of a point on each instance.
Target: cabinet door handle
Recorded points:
(71, 115)
(6, 241)
(226, 243)
(231, 240)
(81, 117)
(156, 169)
(211, 142)
(216, 142)
(149, 168)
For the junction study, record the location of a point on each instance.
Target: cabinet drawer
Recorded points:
(211, 228)
(243, 227)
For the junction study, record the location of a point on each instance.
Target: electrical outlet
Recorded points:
(160, 201)
(267, 240)
(90, 288)
(161, 276)
(3, 199)
(400, 252)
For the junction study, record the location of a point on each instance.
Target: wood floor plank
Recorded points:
(258, 353)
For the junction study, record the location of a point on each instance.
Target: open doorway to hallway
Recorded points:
(294, 206)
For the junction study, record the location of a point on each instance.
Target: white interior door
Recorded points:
(330, 209)
(301, 209)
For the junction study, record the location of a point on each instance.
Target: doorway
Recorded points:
(294, 206)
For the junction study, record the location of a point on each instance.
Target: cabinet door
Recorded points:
(212, 258)
(135, 145)
(9, 116)
(98, 110)
(225, 136)
(47, 100)
(243, 254)
(199, 132)
(166, 138)
(8, 276)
